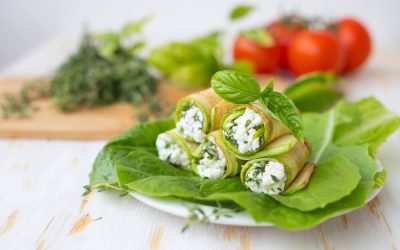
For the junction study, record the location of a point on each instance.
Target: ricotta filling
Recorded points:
(267, 177)
(212, 163)
(243, 131)
(170, 151)
(190, 124)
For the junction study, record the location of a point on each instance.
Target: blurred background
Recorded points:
(26, 24)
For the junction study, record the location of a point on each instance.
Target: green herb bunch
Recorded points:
(102, 71)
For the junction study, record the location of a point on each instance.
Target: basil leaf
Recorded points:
(235, 87)
(240, 11)
(283, 108)
(259, 36)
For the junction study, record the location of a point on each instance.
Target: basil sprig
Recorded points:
(237, 87)
(240, 11)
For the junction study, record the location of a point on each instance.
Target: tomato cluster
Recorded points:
(300, 47)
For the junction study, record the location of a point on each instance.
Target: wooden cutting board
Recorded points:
(96, 123)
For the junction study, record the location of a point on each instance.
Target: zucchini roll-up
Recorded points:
(173, 148)
(213, 160)
(272, 175)
(193, 114)
(249, 128)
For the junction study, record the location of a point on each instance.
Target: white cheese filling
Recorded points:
(268, 178)
(212, 165)
(170, 151)
(190, 124)
(243, 129)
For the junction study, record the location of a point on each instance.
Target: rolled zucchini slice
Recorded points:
(272, 175)
(213, 160)
(193, 114)
(218, 112)
(174, 149)
(248, 128)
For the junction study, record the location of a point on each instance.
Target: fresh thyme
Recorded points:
(198, 215)
(103, 70)
(19, 105)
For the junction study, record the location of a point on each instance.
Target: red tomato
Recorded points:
(356, 42)
(315, 50)
(284, 31)
(264, 59)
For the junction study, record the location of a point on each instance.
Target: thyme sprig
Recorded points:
(198, 215)
(19, 104)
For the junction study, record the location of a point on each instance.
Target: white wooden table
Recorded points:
(41, 181)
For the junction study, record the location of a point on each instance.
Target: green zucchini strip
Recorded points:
(213, 160)
(248, 128)
(272, 175)
(193, 114)
(174, 149)
(279, 146)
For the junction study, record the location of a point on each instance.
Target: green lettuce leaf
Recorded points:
(332, 180)
(141, 137)
(372, 124)
(164, 182)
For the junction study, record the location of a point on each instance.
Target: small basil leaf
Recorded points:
(259, 36)
(235, 87)
(240, 11)
(284, 109)
(269, 88)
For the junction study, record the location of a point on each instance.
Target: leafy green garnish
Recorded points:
(283, 107)
(235, 86)
(314, 92)
(240, 11)
(141, 137)
(238, 87)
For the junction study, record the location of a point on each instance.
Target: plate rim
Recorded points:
(179, 208)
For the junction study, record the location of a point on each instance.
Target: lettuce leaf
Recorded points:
(371, 125)
(332, 180)
(140, 137)
(263, 208)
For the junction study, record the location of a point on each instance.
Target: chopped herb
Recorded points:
(197, 214)
(274, 178)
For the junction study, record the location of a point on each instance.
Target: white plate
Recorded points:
(180, 208)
